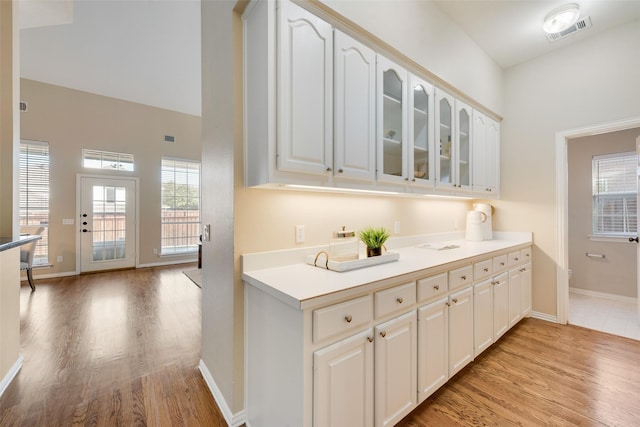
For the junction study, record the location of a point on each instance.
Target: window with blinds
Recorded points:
(34, 193)
(96, 159)
(180, 206)
(615, 189)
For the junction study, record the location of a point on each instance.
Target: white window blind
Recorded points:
(615, 189)
(96, 159)
(180, 206)
(34, 193)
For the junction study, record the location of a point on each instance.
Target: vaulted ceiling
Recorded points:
(148, 51)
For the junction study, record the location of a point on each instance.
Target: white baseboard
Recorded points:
(234, 420)
(605, 295)
(4, 383)
(162, 264)
(544, 316)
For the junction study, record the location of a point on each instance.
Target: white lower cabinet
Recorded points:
(491, 311)
(433, 347)
(369, 358)
(460, 330)
(343, 382)
(395, 369)
(515, 291)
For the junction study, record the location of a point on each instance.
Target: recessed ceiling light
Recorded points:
(561, 18)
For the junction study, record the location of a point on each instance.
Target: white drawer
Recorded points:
(525, 254)
(499, 263)
(482, 269)
(460, 277)
(394, 299)
(431, 287)
(514, 258)
(345, 316)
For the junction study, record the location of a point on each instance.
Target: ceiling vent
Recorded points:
(582, 24)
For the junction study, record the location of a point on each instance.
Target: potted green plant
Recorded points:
(374, 239)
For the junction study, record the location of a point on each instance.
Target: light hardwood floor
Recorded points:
(122, 348)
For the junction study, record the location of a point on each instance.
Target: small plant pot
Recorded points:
(374, 252)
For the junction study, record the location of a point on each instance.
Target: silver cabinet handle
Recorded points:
(348, 318)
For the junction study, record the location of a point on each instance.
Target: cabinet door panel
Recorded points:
(391, 81)
(354, 108)
(500, 305)
(460, 330)
(445, 166)
(420, 132)
(433, 344)
(525, 284)
(395, 369)
(483, 316)
(515, 289)
(305, 86)
(343, 383)
(463, 130)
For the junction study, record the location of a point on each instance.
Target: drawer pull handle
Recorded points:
(399, 300)
(383, 334)
(522, 270)
(463, 277)
(502, 264)
(447, 304)
(486, 270)
(328, 169)
(370, 339)
(436, 287)
(455, 300)
(493, 283)
(517, 259)
(526, 255)
(348, 318)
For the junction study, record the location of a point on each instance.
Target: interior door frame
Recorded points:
(562, 203)
(79, 178)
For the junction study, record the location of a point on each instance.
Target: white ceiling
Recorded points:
(510, 31)
(148, 51)
(144, 51)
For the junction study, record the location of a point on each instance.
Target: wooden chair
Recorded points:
(27, 252)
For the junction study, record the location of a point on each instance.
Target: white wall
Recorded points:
(590, 82)
(616, 273)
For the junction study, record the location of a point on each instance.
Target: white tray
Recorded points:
(341, 266)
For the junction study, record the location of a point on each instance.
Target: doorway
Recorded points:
(107, 232)
(562, 191)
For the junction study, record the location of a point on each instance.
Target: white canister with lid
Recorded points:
(475, 226)
(487, 227)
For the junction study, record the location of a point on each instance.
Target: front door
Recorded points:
(107, 223)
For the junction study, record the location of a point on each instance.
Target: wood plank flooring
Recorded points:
(122, 349)
(118, 349)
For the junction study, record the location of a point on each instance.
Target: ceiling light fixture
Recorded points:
(561, 18)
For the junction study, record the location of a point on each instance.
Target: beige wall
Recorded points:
(590, 82)
(70, 120)
(615, 274)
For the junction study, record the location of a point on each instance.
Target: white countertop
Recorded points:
(298, 283)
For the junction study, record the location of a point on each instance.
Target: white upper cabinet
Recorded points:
(463, 143)
(354, 109)
(486, 155)
(391, 121)
(305, 87)
(421, 134)
(445, 177)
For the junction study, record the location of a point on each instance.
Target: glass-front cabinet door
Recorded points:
(445, 173)
(421, 157)
(463, 145)
(392, 123)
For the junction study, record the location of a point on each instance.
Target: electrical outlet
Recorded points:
(155, 251)
(59, 259)
(300, 234)
(396, 227)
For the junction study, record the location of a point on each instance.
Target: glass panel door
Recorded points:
(445, 124)
(420, 133)
(464, 148)
(392, 113)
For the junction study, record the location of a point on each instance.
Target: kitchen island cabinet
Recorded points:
(362, 347)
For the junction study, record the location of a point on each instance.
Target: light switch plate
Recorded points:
(206, 233)
(67, 221)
